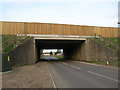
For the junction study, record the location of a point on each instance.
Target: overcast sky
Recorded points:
(78, 12)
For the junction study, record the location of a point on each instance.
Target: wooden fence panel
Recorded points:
(67, 29)
(56, 29)
(12, 25)
(115, 32)
(35, 28)
(72, 30)
(90, 31)
(20, 28)
(4, 30)
(52, 28)
(46, 28)
(97, 30)
(79, 30)
(87, 30)
(28, 28)
(102, 31)
(1, 26)
(7, 28)
(15, 28)
(38, 28)
(60, 29)
(108, 32)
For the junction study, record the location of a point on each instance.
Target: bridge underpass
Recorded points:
(69, 46)
(74, 48)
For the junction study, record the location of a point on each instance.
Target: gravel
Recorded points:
(29, 76)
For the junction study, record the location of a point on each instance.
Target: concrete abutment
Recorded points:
(27, 53)
(89, 49)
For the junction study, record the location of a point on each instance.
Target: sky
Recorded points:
(78, 12)
(49, 50)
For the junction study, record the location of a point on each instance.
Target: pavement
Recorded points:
(74, 74)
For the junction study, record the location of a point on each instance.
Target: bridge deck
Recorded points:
(58, 37)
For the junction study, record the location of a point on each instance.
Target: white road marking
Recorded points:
(65, 63)
(71, 65)
(52, 80)
(103, 76)
(74, 66)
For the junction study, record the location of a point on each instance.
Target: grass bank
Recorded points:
(10, 42)
(110, 42)
(111, 63)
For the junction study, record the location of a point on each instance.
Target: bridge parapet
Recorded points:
(63, 37)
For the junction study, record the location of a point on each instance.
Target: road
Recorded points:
(50, 57)
(60, 74)
(75, 74)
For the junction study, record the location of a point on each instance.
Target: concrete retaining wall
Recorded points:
(25, 53)
(92, 51)
(29, 52)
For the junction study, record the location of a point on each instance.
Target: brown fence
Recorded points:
(14, 28)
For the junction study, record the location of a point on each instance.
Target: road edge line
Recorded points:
(52, 79)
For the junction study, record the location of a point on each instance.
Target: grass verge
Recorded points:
(59, 56)
(111, 63)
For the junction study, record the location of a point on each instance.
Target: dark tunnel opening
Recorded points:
(69, 47)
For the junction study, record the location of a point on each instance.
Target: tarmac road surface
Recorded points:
(75, 74)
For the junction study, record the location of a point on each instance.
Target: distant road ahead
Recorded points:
(73, 74)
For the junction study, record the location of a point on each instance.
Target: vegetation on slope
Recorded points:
(110, 42)
(10, 42)
(111, 63)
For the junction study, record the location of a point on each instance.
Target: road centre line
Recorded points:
(65, 63)
(71, 65)
(74, 66)
(103, 76)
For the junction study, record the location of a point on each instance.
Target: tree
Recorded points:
(58, 50)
